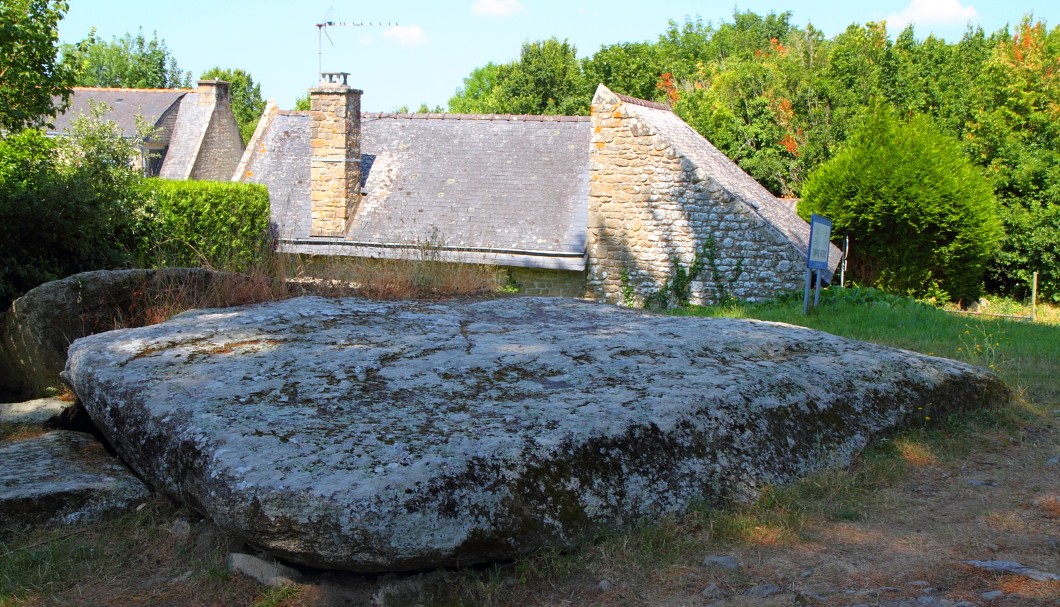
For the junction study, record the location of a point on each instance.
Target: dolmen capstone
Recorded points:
(386, 436)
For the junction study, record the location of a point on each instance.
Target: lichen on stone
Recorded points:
(386, 436)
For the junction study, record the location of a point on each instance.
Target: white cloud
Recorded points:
(412, 35)
(497, 8)
(932, 12)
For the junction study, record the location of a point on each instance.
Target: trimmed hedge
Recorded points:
(206, 223)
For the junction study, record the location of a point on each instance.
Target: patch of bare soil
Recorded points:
(1000, 503)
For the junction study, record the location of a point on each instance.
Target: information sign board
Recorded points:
(820, 237)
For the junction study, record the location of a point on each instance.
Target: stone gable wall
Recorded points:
(649, 205)
(222, 144)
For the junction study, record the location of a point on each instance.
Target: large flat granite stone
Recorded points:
(388, 436)
(62, 478)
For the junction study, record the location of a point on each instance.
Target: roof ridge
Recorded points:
(644, 102)
(118, 89)
(490, 117)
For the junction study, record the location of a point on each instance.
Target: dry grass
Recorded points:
(134, 560)
(14, 432)
(167, 294)
(426, 273)
(422, 271)
(1046, 312)
(904, 512)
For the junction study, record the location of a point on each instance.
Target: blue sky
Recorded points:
(434, 45)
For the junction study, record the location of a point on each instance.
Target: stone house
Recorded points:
(195, 134)
(602, 206)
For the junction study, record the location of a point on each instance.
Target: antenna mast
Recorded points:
(321, 33)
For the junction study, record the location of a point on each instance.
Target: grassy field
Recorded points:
(1025, 355)
(903, 512)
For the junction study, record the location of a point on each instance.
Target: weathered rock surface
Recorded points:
(37, 329)
(62, 478)
(31, 412)
(386, 436)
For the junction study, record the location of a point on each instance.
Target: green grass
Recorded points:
(1025, 355)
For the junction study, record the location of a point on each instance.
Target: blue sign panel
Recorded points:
(820, 236)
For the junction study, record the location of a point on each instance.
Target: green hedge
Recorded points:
(205, 223)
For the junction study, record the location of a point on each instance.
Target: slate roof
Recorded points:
(721, 169)
(155, 105)
(509, 190)
(193, 120)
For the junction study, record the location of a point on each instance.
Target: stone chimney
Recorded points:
(335, 145)
(212, 91)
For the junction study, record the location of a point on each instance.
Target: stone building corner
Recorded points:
(671, 219)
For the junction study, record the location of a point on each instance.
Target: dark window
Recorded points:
(153, 166)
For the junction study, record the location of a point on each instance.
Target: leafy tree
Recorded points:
(632, 68)
(67, 204)
(302, 103)
(126, 62)
(423, 109)
(920, 215)
(686, 48)
(1032, 244)
(1014, 132)
(547, 79)
(479, 94)
(765, 106)
(247, 102)
(30, 73)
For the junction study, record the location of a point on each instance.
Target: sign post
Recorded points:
(816, 257)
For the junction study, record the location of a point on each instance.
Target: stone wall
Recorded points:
(335, 166)
(550, 283)
(222, 144)
(650, 204)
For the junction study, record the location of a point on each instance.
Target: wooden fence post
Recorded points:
(1034, 297)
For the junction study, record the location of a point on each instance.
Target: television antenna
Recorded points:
(322, 33)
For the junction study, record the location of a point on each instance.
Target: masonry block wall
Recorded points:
(222, 144)
(335, 165)
(547, 282)
(650, 205)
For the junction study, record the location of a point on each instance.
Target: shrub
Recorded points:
(66, 205)
(76, 203)
(921, 218)
(204, 223)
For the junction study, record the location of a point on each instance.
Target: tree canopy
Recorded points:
(781, 99)
(30, 72)
(547, 79)
(128, 62)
